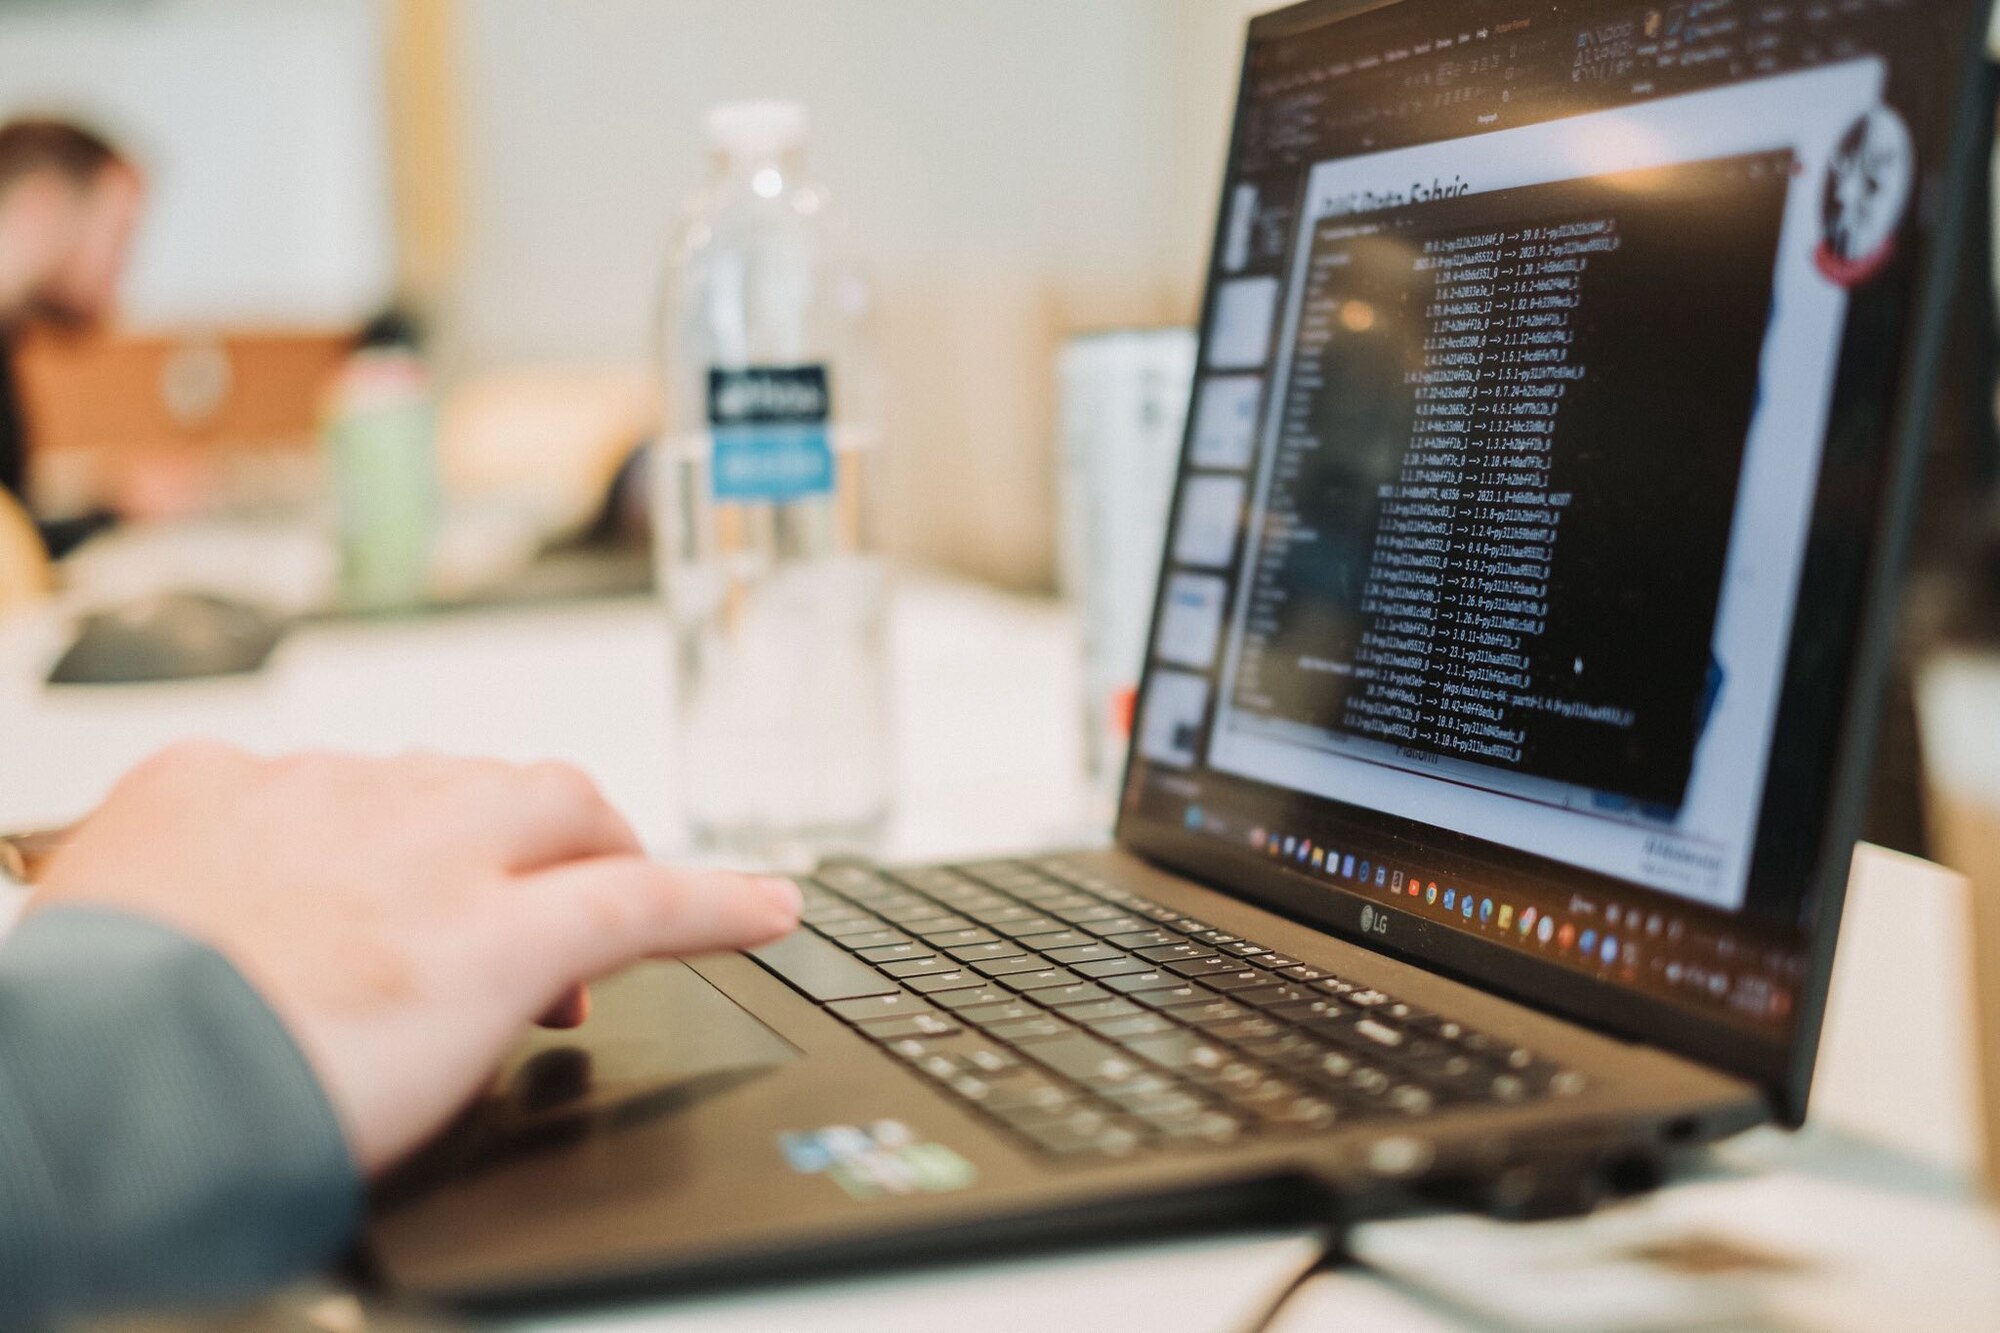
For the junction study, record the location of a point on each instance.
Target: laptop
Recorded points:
(1526, 597)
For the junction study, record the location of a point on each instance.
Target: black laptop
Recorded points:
(1508, 706)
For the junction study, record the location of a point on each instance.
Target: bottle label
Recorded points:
(769, 425)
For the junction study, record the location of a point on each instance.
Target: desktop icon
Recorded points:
(1450, 899)
(1381, 876)
(1609, 951)
(1366, 868)
(1319, 857)
(1566, 937)
(1257, 838)
(1396, 882)
(1546, 930)
(1465, 906)
(1506, 915)
(1528, 920)
(1291, 845)
(1347, 867)
(1485, 910)
(1431, 893)
(1588, 941)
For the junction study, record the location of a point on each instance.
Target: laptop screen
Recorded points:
(1516, 569)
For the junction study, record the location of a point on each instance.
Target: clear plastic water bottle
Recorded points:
(767, 472)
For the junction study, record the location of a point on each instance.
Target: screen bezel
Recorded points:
(1781, 1066)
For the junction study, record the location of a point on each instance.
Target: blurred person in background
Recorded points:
(69, 204)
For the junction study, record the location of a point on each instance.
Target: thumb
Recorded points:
(596, 916)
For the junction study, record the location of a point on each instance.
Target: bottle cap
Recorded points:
(765, 125)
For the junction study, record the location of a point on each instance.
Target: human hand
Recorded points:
(405, 918)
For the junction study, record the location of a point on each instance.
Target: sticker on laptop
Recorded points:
(1868, 183)
(881, 1159)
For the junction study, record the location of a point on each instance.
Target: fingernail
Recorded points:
(785, 895)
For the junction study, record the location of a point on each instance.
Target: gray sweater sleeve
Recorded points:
(162, 1140)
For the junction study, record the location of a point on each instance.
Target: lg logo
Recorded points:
(1374, 922)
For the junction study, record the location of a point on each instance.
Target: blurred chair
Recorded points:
(546, 440)
(24, 563)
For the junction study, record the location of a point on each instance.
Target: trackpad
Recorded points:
(660, 1041)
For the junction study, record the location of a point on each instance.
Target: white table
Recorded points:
(989, 755)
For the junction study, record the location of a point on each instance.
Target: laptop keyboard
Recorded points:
(1094, 1023)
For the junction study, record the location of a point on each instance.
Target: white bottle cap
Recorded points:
(764, 125)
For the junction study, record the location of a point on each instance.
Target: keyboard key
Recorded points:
(1115, 967)
(896, 953)
(997, 912)
(966, 997)
(873, 939)
(985, 953)
(1029, 1089)
(853, 924)
(898, 1005)
(1144, 939)
(1265, 997)
(941, 925)
(920, 967)
(958, 939)
(1037, 1029)
(1087, 953)
(1248, 978)
(956, 979)
(1096, 1011)
(1055, 939)
(1062, 1139)
(1183, 952)
(1001, 967)
(1202, 1015)
(1194, 1127)
(916, 1025)
(1042, 980)
(1179, 1051)
(1133, 982)
(985, 1015)
(1064, 997)
(1085, 1059)
(1121, 924)
(1380, 1033)
(1089, 910)
(1023, 927)
(1202, 967)
(821, 970)
(1245, 949)
(1122, 1030)
(1240, 1030)
(1169, 997)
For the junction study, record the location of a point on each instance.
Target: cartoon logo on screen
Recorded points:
(1867, 188)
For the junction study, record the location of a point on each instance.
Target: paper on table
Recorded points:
(1825, 1232)
(1194, 1286)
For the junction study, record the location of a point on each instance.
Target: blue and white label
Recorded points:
(770, 431)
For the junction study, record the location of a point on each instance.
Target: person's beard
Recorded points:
(51, 310)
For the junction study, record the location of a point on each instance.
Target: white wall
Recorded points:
(260, 125)
(1015, 170)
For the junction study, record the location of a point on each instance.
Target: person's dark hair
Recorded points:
(36, 144)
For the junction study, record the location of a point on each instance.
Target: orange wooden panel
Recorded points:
(116, 392)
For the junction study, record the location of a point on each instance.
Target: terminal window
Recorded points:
(1503, 473)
